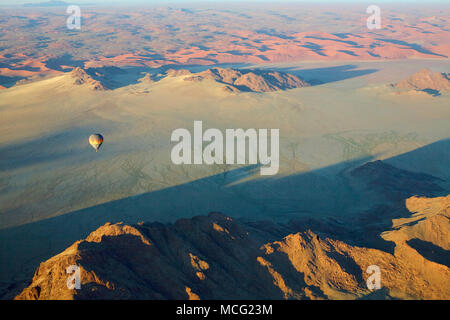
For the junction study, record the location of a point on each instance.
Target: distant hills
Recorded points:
(166, 36)
(235, 80)
(250, 80)
(244, 80)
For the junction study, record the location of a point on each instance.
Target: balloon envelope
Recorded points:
(96, 140)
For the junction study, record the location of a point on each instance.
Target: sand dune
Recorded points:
(289, 33)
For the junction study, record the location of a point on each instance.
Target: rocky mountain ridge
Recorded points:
(250, 80)
(217, 257)
(426, 81)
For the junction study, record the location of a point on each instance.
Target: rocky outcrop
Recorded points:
(177, 72)
(250, 80)
(216, 257)
(147, 79)
(81, 77)
(426, 80)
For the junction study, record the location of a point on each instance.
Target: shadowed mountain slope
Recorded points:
(215, 257)
(81, 77)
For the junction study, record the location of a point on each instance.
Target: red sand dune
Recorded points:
(247, 34)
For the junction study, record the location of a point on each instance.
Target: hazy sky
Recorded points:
(9, 2)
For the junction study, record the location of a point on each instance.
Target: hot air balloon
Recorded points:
(96, 141)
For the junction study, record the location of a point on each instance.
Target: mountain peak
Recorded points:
(250, 80)
(81, 77)
(424, 80)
